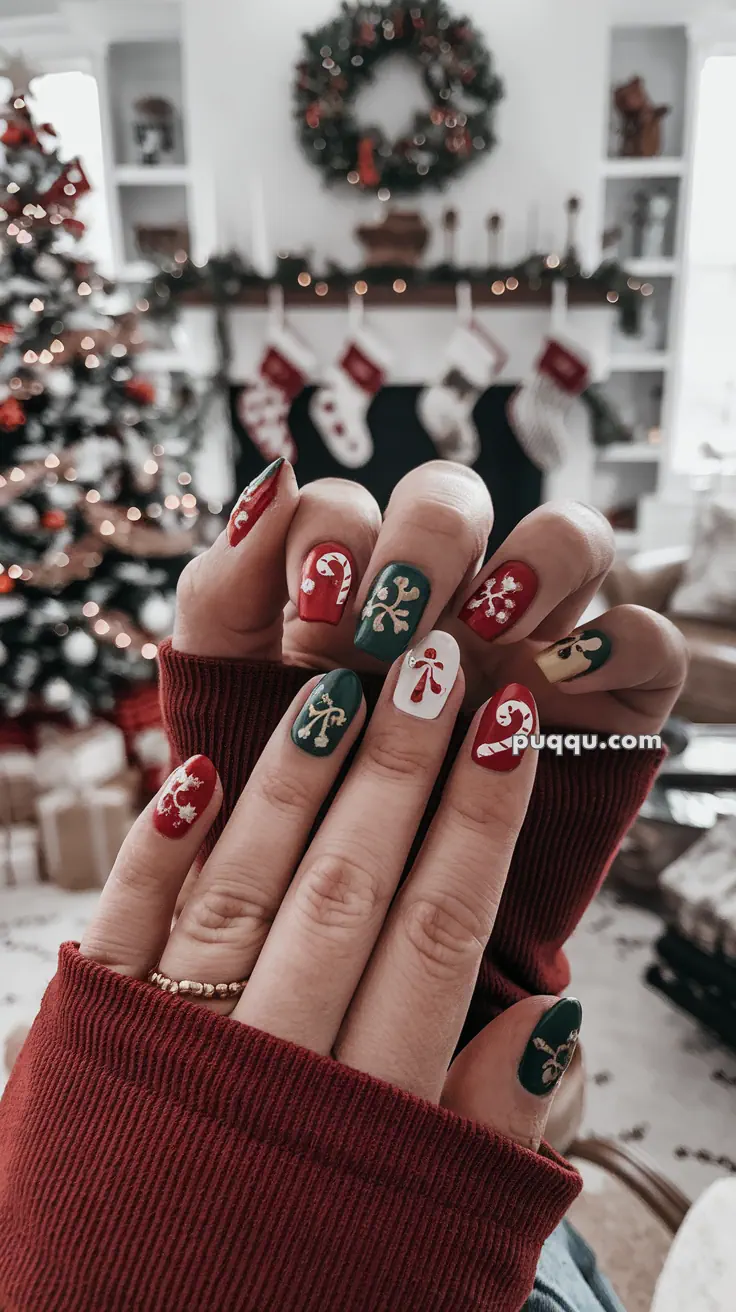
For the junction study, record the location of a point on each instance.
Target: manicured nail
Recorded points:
(427, 676)
(252, 502)
(185, 797)
(551, 1048)
(328, 574)
(393, 609)
(572, 657)
(500, 601)
(326, 716)
(511, 712)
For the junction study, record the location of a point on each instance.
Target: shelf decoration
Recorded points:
(340, 59)
(154, 129)
(397, 239)
(641, 120)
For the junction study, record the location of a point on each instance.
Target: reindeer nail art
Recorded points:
(328, 575)
(326, 716)
(185, 797)
(551, 1047)
(252, 502)
(572, 657)
(394, 606)
(500, 601)
(510, 713)
(427, 676)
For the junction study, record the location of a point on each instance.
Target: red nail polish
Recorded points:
(252, 502)
(501, 600)
(185, 797)
(512, 711)
(328, 575)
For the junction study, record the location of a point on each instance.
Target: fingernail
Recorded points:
(508, 715)
(185, 797)
(427, 676)
(500, 601)
(327, 715)
(328, 574)
(570, 658)
(252, 502)
(551, 1047)
(393, 609)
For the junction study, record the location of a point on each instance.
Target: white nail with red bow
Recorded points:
(427, 676)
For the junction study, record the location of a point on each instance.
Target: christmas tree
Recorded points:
(96, 507)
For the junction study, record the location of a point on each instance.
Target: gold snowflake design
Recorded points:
(558, 1059)
(378, 606)
(322, 709)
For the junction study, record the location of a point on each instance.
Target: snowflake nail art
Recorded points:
(185, 797)
(327, 713)
(393, 609)
(501, 600)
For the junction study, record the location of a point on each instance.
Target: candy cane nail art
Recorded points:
(511, 712)
(252, 502)
(328, 575)
(500, 601)
(427, 676)
(185, 797)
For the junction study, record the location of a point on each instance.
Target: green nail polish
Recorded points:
(325, 717)
(393, 609)
(571, 658)
(551, 1047)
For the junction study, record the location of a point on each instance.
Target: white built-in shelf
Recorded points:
(659, 166)
(151, 175)
(663, 267)
(630, 453)
(640, 362)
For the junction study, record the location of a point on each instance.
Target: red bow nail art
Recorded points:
(510, 713)
(252, 502)
(501, 600)
(185, 797)
(328, 575)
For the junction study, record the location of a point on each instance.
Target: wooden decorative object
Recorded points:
(157, 242)
(641, 120)
(399, 239)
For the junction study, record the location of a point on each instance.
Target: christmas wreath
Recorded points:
(456, 128)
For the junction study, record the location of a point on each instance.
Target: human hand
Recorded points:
(330, 955)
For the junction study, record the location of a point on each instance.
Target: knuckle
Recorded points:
(286, 794)
(336, 894)
(490, 816)
(446, 522)
(227, 910)
(393, 755)
(580, 536)
(447, 934)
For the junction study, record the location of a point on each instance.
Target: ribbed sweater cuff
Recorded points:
(165, 1157)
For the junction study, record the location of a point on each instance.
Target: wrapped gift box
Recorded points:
(81, 757)
(81, 833)
(18, 786)
(19, 856)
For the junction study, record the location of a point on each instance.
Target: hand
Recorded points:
(332, 957)
(244, 597)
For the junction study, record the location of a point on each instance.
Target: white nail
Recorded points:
(427, 676)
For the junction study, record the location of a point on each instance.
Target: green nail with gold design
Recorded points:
(393, 609)
(551, 1048)
(326, 716)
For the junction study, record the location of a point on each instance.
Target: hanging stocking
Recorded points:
(472, 361)
(538, 409)
(264, 407)
(339, 410)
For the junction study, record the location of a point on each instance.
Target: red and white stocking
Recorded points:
(263, 407)
(538, 409)
(472, 361)
(339, 410)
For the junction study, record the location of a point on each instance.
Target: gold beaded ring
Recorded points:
(191, 988)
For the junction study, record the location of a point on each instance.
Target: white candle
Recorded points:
(261, 253)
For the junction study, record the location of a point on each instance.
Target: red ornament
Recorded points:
(369, 175)
(53, 519)
(6, 584)
(140, 391)
(74, 227)
(7, 333)
(18, 133)
(72, 175)
(12, 414)
(313, 114)
(366, 34)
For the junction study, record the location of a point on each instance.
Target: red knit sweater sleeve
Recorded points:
(157, 1157)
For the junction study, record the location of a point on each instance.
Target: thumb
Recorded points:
(507, 1076)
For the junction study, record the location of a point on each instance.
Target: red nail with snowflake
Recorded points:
(501, 600)
(427, 676)
(505, 727)
(328, 575)
(185, 797)
(251, 504)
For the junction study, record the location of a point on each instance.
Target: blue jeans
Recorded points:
(568, 1279)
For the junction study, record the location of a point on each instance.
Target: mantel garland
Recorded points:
(340, 59)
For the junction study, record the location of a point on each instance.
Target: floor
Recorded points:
(655, 1079)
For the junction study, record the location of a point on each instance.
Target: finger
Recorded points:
(632, 652)
(329, 545)
(406, 1018)
(543, 577)
(225, 920)
(508, 1075)
(328, 923)
(134, 913)
(230, 600)
(434, 533)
